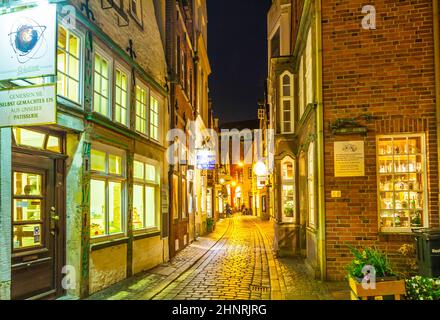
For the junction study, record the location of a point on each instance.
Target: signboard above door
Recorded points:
(25, 106)
(28, 43)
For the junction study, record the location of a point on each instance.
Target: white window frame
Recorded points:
(123, 69)
(290, 99)
(308, 76)
(103, 54)
(107, 177)
(143, 86)
(311, 184)
(80, 36)
(152, 184)
(159, 100)
(301, 100)
(290, 183)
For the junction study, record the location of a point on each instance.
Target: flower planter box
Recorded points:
(388, 287)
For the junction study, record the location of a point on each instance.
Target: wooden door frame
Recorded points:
(59, 189)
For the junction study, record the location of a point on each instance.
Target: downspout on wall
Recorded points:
(320, 145)
(437, 72)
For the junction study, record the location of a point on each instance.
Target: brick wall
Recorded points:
(388, 73)
(147, 40)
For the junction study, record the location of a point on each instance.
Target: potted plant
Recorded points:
(371, 276)
(210, 225)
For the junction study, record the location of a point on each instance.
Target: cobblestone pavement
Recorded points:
(236, 262)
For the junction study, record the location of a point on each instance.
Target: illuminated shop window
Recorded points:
(402, 186)
(311, 184)
(121, 97)
(141, 108)
(288, 189)
(69, 64)
(37, 140)
(145, 192)
(107, 190)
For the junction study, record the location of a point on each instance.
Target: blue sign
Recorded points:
(206, 160)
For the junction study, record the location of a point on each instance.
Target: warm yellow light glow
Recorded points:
(260, 169)
(241, 164)
(234, 183)
(222, 181)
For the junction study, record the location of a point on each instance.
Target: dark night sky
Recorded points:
(238, 54)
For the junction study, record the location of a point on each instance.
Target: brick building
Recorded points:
(188, 72)
(364, 134)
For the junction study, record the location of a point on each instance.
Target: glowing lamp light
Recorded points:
(260, 169)
(241, 164)
(234, 184)
(222, 181)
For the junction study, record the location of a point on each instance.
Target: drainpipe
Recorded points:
(320, 145)
(437, 73)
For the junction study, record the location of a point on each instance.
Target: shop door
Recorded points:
(36, 236)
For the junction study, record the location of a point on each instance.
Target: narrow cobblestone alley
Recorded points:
(236, 262)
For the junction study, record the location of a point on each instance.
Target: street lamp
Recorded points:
(260, 169)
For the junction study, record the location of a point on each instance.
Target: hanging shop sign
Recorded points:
(206, 159)
(28, 106)
(261, 182)
(28, 43)
(349, 159)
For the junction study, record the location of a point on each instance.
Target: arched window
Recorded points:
(286, 103)
(288, 204)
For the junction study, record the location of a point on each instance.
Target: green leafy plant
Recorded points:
(369, 257)
(210, 223)
(421, 288)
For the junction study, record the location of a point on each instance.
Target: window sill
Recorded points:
(69, 103)
(102, 243)
(395, 232)
(151, 233)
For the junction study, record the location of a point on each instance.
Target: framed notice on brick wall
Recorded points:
(349, 159)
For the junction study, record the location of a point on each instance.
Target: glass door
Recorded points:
(34, 227)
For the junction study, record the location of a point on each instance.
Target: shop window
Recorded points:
(107, 190)
(37, 140)
(288, 190)
(402, 182)
(184, 199)
(154, 118)
(141, 108)
(145, 192)
(101, 97)
(121, 98)
(175, 202)
(311, 184)
(69, 64)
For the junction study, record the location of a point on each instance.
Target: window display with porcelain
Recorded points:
(401, 182)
